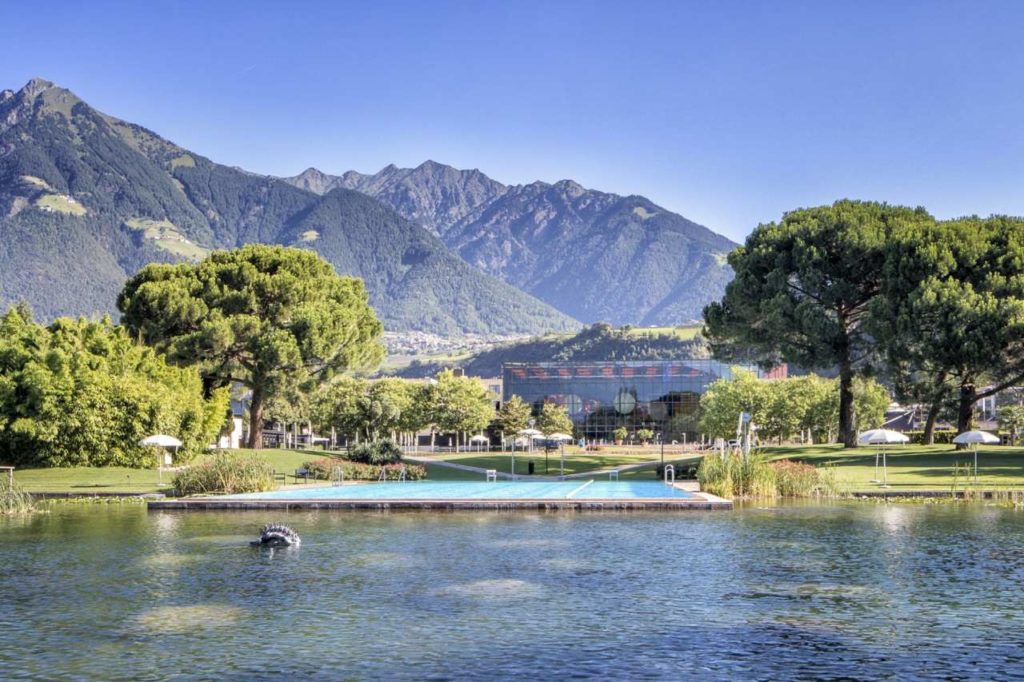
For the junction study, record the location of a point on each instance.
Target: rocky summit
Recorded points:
(592, 255)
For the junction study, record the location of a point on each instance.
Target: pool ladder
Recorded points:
(384, 475)
(337, 476)
(670, 475)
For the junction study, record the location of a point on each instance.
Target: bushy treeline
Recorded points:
(360, 411)
(784, 409)
(83, 393)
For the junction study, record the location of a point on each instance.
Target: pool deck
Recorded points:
(695, 501)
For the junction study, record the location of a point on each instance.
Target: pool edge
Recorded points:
(699, 501)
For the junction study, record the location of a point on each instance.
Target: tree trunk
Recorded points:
(256, 419)
(965, 411)
(847, 413)
(929, 424)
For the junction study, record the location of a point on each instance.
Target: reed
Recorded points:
(732, 475)
(14, 500)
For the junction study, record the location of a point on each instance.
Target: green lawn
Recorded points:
(87, 480)
(911, 467)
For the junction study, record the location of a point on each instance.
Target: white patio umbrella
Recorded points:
(558, 436)
(881, 438)
(479, 439)
(161, 441)
(974, 438)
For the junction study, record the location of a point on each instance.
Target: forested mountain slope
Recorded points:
(593, 255)
(87, 199)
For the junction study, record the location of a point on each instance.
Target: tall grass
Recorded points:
(13, 500)
(226, 473)
(732, 475)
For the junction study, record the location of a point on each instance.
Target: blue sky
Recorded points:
(729, 112)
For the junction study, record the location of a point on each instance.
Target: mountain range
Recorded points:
(592, 255)
(86, 199)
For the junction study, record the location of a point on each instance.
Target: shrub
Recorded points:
(644, 434)
(796, 479)
(378, 453)
(356, 471)
(226, 473)
(13, 500)
(942, 436)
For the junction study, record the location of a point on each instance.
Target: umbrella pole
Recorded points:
(975, 466)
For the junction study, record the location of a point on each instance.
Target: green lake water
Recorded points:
(848, 591)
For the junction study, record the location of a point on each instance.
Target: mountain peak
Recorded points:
(430, 165)
(570, 188)
(35, 87)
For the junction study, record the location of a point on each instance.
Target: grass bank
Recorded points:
(89, 480)
(912, 468)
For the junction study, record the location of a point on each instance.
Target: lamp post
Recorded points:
(662, 440)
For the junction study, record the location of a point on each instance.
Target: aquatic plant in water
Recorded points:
(14, 500)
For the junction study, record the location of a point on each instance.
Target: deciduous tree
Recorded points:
(554, 418)
(458, 404)
(513, 416)
(80, 393)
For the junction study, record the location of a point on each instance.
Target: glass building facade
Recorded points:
(662, 396)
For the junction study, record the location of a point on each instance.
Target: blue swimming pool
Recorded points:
(474, 490)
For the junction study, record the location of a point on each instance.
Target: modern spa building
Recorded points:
(601, 396)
